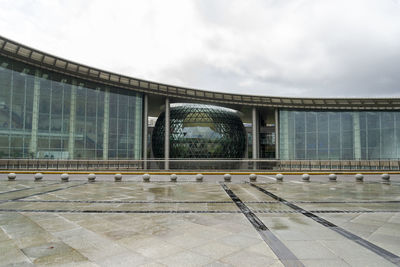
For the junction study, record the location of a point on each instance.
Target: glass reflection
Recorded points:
(48, 115)
(200, 131)
(339, 135)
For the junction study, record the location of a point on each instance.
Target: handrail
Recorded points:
(202, 164)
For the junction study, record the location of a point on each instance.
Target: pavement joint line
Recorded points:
(16, 190)
(349, 202)
(119, 211)
(44, 192)
(27, 188)
(393, 258)
(269, 177)
(127, 202)
(354, 211)
(282, 252)
(188, 211)
(205, 202)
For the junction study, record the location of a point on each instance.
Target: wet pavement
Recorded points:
(209, 223)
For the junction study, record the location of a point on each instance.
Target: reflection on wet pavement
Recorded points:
(187, 223)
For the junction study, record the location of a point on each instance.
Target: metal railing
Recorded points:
(199, 164)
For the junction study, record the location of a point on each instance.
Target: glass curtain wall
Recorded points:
(48, 115)
(200, 131)
(344, 135)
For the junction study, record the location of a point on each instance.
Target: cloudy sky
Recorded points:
(328, 48)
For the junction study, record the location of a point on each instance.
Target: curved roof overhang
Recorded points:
(28, 55)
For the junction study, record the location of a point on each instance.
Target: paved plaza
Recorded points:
(208, 223)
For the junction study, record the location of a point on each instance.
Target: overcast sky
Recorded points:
(327, 48)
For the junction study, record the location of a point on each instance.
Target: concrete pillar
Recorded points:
(255, 133)
(106, 122)
(166, 140)
(72, 119)
(145, 128)
(356, 135)
(10, 120)
(138, 126)
(284, 153)
(276, 133)
(35, 115)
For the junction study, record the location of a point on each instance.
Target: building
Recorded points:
(58, 109)
(200, 131)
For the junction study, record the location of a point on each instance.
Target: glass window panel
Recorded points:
(16, 104)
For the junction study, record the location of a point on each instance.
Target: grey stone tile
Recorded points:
(186, 258)
(226, 239)
(248, 258)
(310, 250)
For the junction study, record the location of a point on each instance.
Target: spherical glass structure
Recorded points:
(200, 131)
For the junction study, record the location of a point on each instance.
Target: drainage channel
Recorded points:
(284, 254)
(370, 246)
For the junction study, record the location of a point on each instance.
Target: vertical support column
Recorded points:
(145, 128)
(50, 113)
(356, 135)
(96, 146)
(380, 134)
(340, 136)
(255, 133)
(72, 117)
(305, 136)
(277, 156)
(395, 137)
(317, 135)
(35, 114)
(366, 137)
(255, 136)
(24, 118)
(284, 153)
(166, 140)
(138, 126)
(106, 122)
(10, 121)
(329, 138)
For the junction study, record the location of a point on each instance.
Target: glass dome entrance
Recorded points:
(200, 131)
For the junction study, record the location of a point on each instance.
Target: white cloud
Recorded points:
(288, 48)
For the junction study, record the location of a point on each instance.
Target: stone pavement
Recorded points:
(209, 223)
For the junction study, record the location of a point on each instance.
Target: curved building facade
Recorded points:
(44, 114)
(200, 131)
(58, 109)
